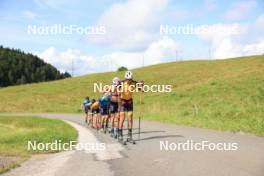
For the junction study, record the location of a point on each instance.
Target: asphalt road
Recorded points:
(146, 158)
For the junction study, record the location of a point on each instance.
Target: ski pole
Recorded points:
(139, 118)
(140, 109)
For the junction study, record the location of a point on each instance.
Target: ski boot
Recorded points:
(115, 133)
(112, 132)
(120, 137)
(130, 137)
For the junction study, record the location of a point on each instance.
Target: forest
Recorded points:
(18, 67)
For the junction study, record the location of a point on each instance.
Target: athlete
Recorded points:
(95, 114)
(128, 86)
(104, 102)
(114, 107)
(86, 107)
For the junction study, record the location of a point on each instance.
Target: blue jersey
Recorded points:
(86, 103)
(104, 101)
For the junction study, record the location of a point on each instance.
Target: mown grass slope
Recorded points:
(220, 94)
(17, 131)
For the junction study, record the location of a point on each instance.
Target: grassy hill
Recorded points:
(222, 94)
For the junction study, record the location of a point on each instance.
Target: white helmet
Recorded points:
(116, 80)
(128, 75)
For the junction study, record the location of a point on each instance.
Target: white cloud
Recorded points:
(225, 49)
(29, 15)
(247, 40)
(160, 51)
(259, 25)
(221, 36)
(216, 32)
(48, 55)
(130, 25)
(63, 60)
(255, 48)
(240, 9)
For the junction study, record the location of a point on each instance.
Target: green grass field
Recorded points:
(16, 131)
(220, 94)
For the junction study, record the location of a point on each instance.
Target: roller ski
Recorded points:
(120, 137)
(123, 142)
(113, 133)
(130, 138)
(130, 141)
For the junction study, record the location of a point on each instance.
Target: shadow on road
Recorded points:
(159, 137)
(145, 132)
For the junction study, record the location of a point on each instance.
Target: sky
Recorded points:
(102, 35)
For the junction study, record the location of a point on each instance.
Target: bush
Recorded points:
(122, 69)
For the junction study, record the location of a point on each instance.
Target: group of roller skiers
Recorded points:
(108, 113)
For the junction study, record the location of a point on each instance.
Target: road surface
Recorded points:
(146, 158)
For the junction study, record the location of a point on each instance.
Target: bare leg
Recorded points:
(130, 120)
(94, 120)
(89, 118)
(102, 121)
(130, 124)
(120, 125)
(98, 117)
(115, 124)
(85, 117)
(112, 121)
(116, 120)
(121, 120)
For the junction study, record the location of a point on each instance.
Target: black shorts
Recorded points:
(114, 107)
(126, 105)
(104, 111)
(95, 111)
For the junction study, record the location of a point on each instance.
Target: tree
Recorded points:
(17, 67)
(23, 80)
(11, 77)
(66, 75)
(122, 69)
